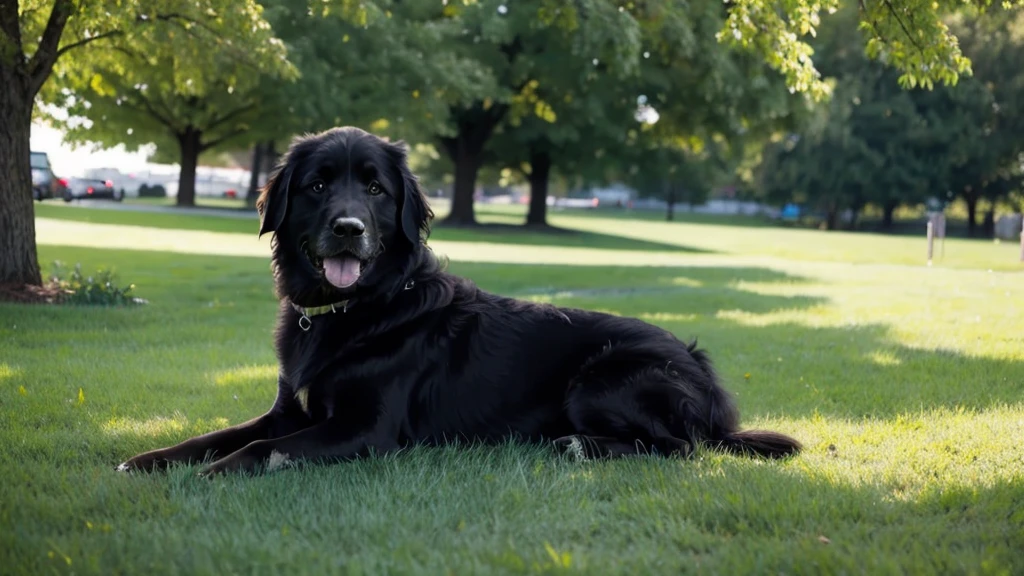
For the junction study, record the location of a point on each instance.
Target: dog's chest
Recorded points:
(308, 366)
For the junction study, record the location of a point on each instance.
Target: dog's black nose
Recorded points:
(348, 227)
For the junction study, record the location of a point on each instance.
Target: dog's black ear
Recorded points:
(415, 211)
(272, 205)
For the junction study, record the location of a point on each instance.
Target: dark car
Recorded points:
(89, 188)
(45, 183)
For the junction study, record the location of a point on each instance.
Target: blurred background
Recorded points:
(636, 106)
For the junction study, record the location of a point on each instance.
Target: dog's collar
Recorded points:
(306, 313)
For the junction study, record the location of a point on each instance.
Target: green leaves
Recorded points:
(165, 68)
(912, 36)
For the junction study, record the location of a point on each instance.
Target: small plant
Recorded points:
(99, 289)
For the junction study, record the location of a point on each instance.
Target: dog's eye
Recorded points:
(374, 188)
(319, 186)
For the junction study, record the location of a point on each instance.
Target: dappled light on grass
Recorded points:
(70, 233)
(8, 372)
(246, 375)
(158, 426)
(884, 358)
(687, 282)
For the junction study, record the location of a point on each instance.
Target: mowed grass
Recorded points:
(750, 238)
(905, 383)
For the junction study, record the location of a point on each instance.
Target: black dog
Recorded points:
(379, 348)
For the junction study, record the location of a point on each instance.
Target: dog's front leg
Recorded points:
(221, 442)
(323, 440)
(284, 418)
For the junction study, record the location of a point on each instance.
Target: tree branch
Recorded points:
(147, 108)
(217, 141)
(41, 64)
(230, 116)
(10, 27)
(899, 20)
(85, 41)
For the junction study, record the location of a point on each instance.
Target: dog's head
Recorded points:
(347, 216)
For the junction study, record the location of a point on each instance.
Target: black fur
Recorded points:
(418, 355)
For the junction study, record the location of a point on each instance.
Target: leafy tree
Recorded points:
(35, 35)
(525, 46)
(697, 89)
(179, 83)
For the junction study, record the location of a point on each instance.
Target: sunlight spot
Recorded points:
(246, 375)
(158, 426)
(667, 317)
(884, 358)
(813, 317)
(688, 282)
(7, 371)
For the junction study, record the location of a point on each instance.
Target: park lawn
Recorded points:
(905, 383)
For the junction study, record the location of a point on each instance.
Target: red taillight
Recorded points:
(109, 183)
(595, 202)
(88, 190)
(63, 182)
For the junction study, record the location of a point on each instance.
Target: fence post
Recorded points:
(931, 240)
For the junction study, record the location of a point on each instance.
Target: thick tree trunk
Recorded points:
(540, 173)
(670, 199)
(254, 174)
(888, 210)
(190, 144)
(989, 225)
(19, 264)
(972, 213)
(467, 165)
(466, 151)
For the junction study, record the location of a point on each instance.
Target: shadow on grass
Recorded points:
(502, 233)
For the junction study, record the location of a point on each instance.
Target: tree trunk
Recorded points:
(540, 173)
(888, 210)
(670, 199)
(190, 144)
(467, 165)
(254, 174)
(19, 264)
(466, 151)
(972, 213)
(989, 225)
(831, 217)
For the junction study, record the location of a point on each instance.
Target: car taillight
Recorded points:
(109, 183)
(88, 190)
(63, 182)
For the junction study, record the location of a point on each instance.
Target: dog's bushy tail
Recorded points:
(724, 421)
(760, 443)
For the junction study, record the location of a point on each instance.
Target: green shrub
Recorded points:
(147, 191)
(99, 289)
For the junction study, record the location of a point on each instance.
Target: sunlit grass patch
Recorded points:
(246, 375)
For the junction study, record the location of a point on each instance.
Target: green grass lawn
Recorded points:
(906, 384)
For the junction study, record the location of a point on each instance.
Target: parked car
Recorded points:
(45, 183)
(89, 188)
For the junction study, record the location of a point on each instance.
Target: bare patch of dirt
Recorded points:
(29, 294)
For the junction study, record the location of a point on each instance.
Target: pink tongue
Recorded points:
(342, 271)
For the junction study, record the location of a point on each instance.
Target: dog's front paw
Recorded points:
(145, 462)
